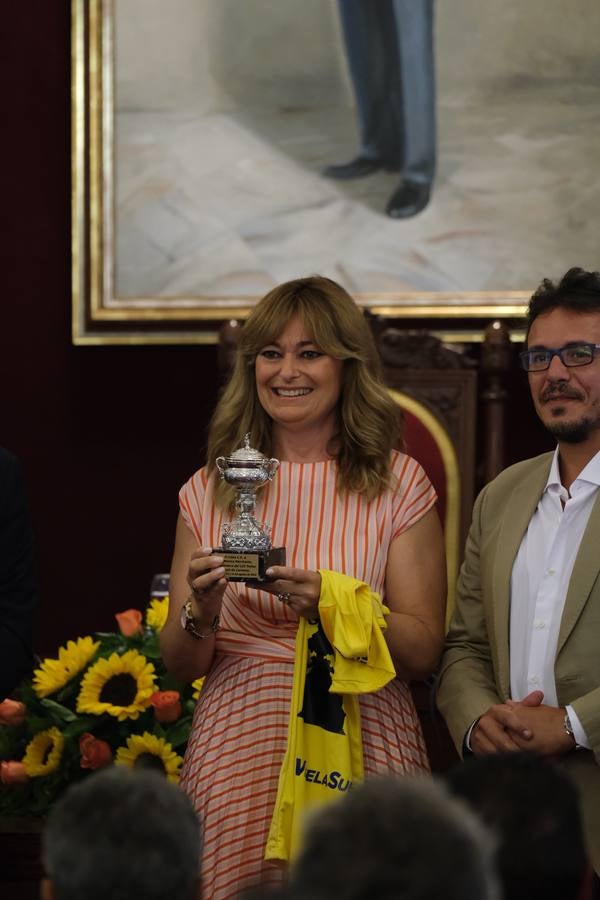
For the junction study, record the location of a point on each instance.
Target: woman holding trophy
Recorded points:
(351, 518)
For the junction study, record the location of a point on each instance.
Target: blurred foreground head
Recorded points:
(122, 835)
(396, 839)
(533, 808)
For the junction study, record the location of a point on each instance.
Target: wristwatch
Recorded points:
(188, 622)
(569, 729)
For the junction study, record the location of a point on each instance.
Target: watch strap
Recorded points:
(569, 730)
(188, 623)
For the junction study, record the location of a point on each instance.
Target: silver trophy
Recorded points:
(246, 544)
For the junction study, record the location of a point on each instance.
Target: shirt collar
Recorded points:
(554, 473)
(590, 473)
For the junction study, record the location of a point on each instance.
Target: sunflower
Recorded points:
(156, 614)
(43, 753)
(53, 674)
(150, 752)
(197, 686)
(120, 686)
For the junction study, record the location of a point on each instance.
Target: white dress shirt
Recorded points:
(540, 581)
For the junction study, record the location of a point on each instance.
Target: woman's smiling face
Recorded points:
(298, 385)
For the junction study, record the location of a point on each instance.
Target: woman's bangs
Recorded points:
(325, 331)
(324, 326)
(265, 329)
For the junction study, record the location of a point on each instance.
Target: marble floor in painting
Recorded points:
(229, 203)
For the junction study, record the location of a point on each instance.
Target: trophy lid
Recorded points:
(246, 454)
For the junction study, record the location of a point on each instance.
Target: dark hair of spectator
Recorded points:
(123, 834)
(534, 809)
(395, 839)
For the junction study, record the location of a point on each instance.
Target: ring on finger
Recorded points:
(285, 597)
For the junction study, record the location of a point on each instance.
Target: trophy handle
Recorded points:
(221, 465)
(272, 467)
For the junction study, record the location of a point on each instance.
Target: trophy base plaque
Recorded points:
(250, 565)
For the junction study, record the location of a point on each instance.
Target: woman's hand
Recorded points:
(300, 589)
(206, 578)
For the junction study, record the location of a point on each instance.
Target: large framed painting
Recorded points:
(210, 140)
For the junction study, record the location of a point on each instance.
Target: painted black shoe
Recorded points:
(357, 168)
(410, 198)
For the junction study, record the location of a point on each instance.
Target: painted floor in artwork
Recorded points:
(232, 202)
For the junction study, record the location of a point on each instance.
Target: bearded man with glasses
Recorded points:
(521, 670)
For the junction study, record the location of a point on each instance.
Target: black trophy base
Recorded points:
(250, 565)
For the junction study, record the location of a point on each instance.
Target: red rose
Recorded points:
(95, 754)
(129, 621)
(12, 772)
(167, 706)
(12, 712)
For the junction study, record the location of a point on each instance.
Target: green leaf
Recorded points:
(58, 711)
(158, 731)
(80, 725)
(169, 683)
(179, 733)
(36, 724)
(27, 695)
(150, 647)
(112, 643)
(8, 742)
(70, 690)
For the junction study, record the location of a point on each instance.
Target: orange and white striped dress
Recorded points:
(239, 734)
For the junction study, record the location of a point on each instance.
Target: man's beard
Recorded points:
(571, 432)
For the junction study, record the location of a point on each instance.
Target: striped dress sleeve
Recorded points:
(413, 494)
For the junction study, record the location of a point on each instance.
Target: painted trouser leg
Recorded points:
(415, 94)
(389, 45)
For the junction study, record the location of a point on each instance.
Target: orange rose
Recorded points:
(167, 707)
(12, 772)
(95, 754)
(130, 622)
(12, 712)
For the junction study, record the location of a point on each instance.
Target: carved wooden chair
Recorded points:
(443, 392)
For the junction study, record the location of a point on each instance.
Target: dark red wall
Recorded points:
(106, 435)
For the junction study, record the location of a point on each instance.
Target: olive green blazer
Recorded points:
(475, 669)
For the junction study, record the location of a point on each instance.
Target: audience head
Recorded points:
(577, 291)
(533, 808)
(122, 835)
(395, 839)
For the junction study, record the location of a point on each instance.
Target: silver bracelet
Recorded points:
(188, 623)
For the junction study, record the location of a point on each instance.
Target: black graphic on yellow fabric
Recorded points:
(319, 707)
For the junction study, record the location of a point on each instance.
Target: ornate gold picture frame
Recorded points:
(102, 315)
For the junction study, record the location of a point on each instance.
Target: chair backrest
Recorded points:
(427, 440)
(437, 387)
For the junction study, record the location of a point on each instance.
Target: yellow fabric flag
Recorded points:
(337, 658)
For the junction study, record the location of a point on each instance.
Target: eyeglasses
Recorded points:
(570, 356)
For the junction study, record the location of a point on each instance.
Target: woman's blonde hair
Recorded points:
(369, 424)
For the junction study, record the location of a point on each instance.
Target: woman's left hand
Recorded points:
(300, 589)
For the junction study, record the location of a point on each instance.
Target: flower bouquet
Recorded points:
(105, 699)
